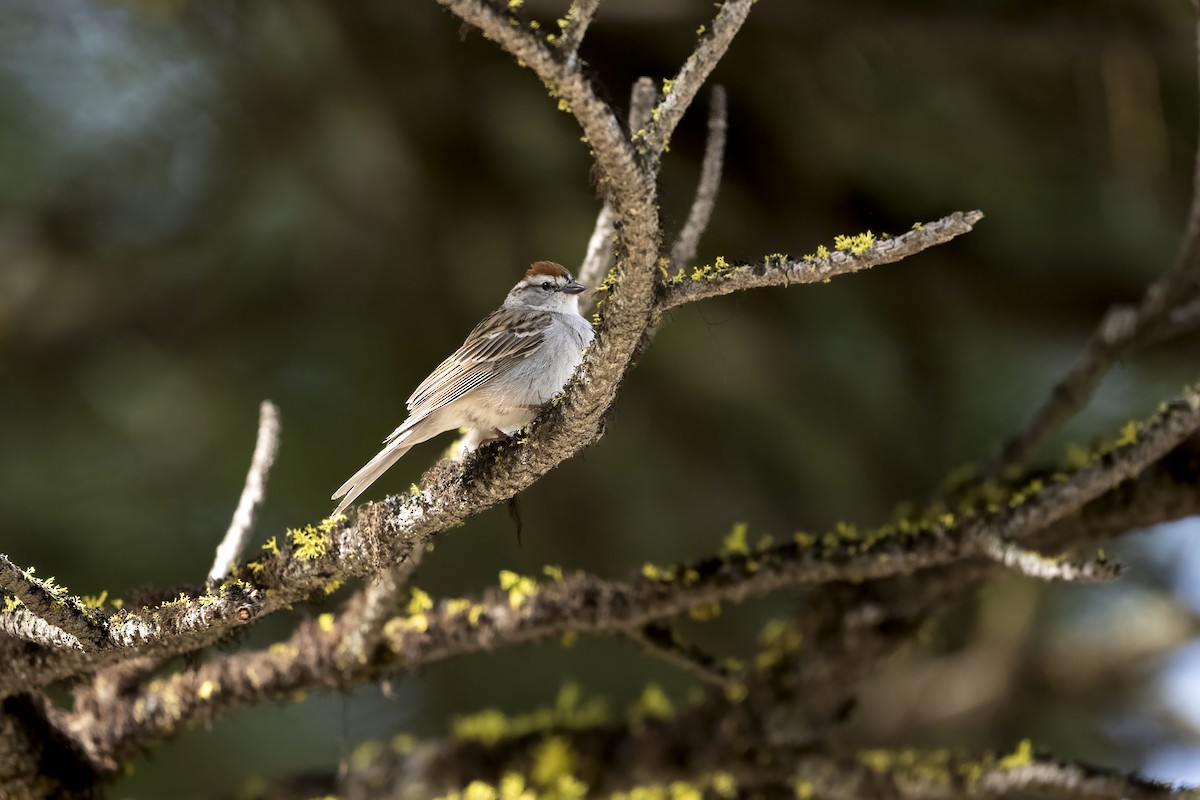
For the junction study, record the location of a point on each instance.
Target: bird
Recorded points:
(513, 362)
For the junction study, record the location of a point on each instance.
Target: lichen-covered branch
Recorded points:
(574, 25)
(373, 605)
(53, 605)
(600, 244)
(850, 254)
(525, 610)
(266, 446)
(21, 624)
(729, 743)
(1035, 565)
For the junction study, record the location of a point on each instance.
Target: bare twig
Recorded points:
(681, 90)
(1114, 335)
(600, 245)
(1035, 565)
(574, 25)
(1122, 329)
(1182, 319)
(702, 283)
(266, 446)
(710, 180)
(664, 642)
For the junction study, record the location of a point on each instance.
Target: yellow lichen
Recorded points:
(735, 542)
(365, 754)
(478, 790)
(653, 704)
(310, 542)
(512, 787)
(420, 601)
(457, 605)
(553, 758)
(654, 572)
(519, 587)
(723, 784)
(856, 244)
(1020, 757)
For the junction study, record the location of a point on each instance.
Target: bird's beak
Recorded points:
(574, 287)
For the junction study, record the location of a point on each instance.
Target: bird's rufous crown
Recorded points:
(547, 268)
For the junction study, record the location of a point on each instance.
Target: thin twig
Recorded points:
(710, 180)
(1121, 329)
(266, 446)
(1035, 565)
(574, 25)
(1182, 319)
(600, 245)
(681, 90)
(664, 642)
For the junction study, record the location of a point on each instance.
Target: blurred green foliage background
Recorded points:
(208, 204)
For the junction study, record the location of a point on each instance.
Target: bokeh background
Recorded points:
(208, 204)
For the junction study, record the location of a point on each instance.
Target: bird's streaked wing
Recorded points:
(502, 339)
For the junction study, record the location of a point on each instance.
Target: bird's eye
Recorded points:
(546, 287)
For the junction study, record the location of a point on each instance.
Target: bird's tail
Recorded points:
(371, 471)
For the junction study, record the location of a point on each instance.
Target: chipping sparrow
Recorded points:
(519, 357)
